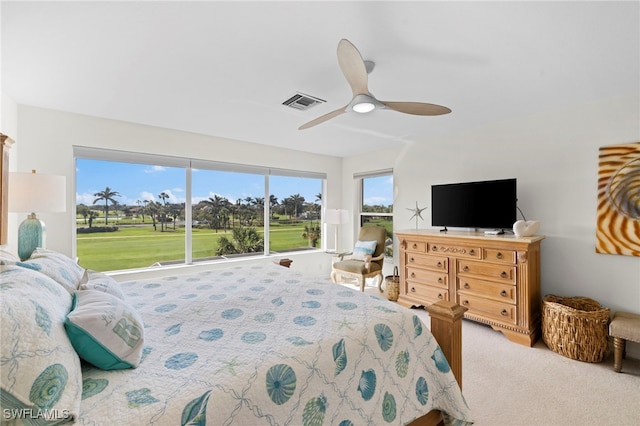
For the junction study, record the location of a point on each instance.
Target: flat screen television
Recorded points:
(486, 204)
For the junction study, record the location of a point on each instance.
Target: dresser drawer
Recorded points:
(501, 292)
(469, 252)
(416, 246)
(426, 292)
(489, 309)
(502, 256)
(428, 261)
(501, 273)
(428, 277)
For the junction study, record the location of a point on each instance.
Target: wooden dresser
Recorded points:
(496, 277)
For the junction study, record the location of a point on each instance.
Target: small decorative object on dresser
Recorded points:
(497, 278)
(526, 228)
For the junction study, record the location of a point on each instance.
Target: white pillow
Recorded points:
(64, 270)
(7, 257)
(364, 248)
(105, 330)
(94, 280)
(40, 369)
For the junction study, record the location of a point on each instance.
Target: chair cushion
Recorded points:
(625, 326)
(364, 248)
(356, 266)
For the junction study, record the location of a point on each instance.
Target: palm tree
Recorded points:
(163, 196)
(213, 207)
(106, 195)
(244, 240)
(273, 202)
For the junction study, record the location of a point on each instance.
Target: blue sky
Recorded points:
(143, 182)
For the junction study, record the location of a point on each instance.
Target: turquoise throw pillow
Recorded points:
(104, 330)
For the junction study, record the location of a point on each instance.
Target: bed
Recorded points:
(245, 345)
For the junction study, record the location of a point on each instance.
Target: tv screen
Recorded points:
(487, 204)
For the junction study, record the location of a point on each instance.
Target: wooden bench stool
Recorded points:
(624, 326)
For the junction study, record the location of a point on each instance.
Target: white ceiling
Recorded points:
(224, 68)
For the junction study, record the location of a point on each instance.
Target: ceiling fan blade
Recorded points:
(353, 67)
(323, 118)
(417, 108)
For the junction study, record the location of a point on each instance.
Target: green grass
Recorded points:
(141, 246)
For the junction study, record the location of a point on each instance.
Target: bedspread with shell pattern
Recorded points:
(265, 345)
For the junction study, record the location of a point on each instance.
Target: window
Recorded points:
(139, 210)
(376, 203)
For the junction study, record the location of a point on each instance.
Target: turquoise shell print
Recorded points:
(314, 409)
(422, 391)
(195, 412)
(384, 336)
(388, 408)
(440, 360)
(402, 363)
(281, 383)
(417, 325)
(340, 356)
(48, 387)
(367, 384)
(91, 387)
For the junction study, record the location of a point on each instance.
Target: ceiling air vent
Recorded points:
(302, 102)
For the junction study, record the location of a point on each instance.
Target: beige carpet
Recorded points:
(508, 384)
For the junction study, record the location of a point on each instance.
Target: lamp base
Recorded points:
(30, 236)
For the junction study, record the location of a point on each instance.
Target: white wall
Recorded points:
(47, 138)
(554, 156)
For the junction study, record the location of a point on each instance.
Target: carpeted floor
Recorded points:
(509, 384)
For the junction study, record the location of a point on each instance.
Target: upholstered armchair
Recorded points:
(366, 259)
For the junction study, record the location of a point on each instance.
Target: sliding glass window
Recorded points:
(376, 202)
(140, 210)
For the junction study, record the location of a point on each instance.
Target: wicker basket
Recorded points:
(575, 327)
(392, 285)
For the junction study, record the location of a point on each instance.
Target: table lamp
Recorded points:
(336, 217)
(30, 193)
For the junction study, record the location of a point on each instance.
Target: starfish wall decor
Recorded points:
(417, 213)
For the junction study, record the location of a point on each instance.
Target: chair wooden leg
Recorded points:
(619, 348)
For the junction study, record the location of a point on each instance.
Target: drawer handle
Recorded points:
(504, 313)
(504, 275)
(440, 296)
(413, 289)
(466, 269)
(472, 252)
(413, 275)
(411, 259)
(434, 248)
(466, 285)
(465, 302)
(499, 255)
(439, 264)
(503, 293)
(440, 280)
(415, 246)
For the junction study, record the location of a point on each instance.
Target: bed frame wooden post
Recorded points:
(446, 327)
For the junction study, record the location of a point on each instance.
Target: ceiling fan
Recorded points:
(355, 70)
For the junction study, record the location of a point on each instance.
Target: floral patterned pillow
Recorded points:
(40, 369)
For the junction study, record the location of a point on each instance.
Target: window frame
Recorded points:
(360, 187)
(189, 165)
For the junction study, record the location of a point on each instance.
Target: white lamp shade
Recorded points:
(37, 193)
(336, 216)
